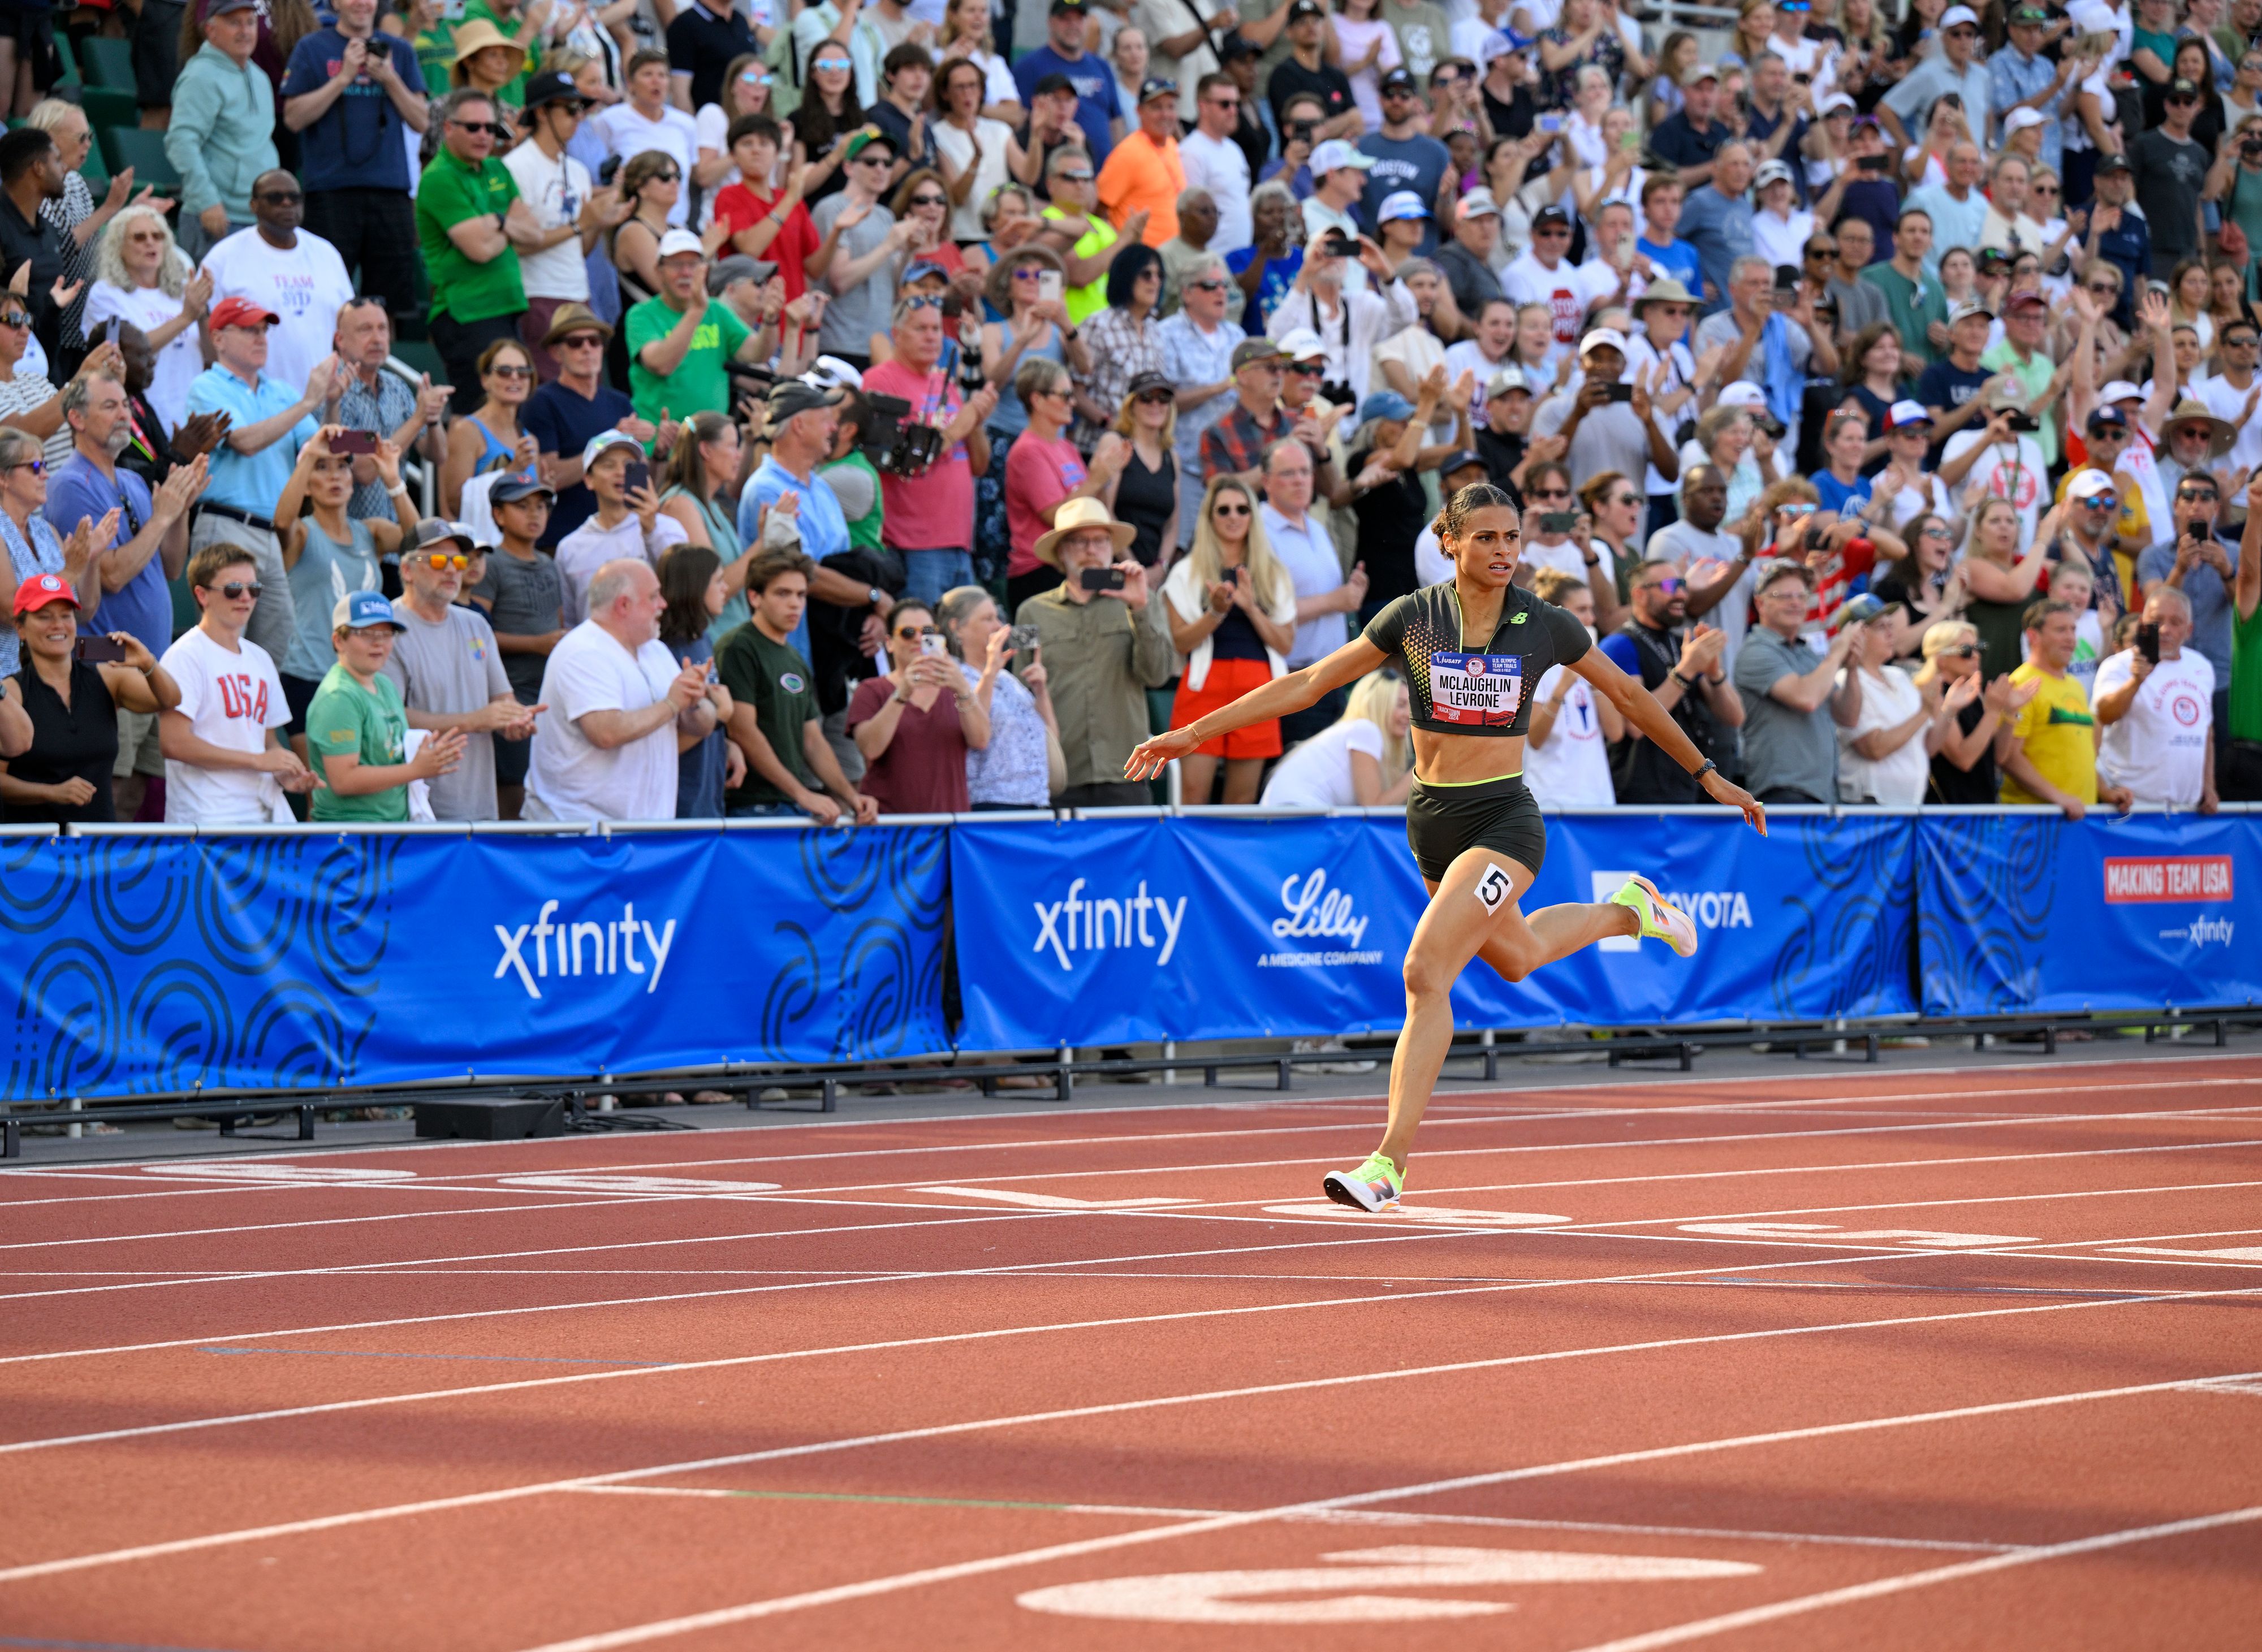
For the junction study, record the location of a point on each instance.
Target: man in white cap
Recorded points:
(1466, 260)
(1338, 179)
(1957, 69)
(2027, 86)
(628, 521)
(1689, 140)
(680, 343)
(1607, 425)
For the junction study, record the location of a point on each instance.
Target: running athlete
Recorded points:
(1471, 647)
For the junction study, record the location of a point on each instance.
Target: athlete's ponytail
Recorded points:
(1453, 519)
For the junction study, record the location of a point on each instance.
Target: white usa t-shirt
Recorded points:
(2158, 748)
(305, 285)
(231, 701)
(571, 778)
(1573, 769)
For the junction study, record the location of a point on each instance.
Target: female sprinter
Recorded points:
(1470, 650)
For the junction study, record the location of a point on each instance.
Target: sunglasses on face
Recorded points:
(926, 200)
(1156, 398)
(1228, 508)
(1309, 369)
(1210, 284)
(1552, 233)
(2100, 502)
(1029, 272)
(235, 591)
(2192, 496)
(1549, 493)
(581, 341)
(1669, 586)
(1935, 532)
(36, 467)
(440, 559)
(837, 65)
(1075, 175)
(505, 370)
(1821, 252)
(2104, 289)
(1962, 651)
(280, 197)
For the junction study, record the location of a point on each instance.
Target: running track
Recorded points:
(1940, 1358)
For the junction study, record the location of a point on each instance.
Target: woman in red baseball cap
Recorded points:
(70, 689)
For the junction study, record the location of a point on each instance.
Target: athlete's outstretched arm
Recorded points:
(1641, 708)
(1277, 699)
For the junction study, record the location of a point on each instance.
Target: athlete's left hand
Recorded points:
(1721, 789)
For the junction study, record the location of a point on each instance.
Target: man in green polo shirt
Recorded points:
(680, 343)
(1914, 299)
(470, 224)
(357, 731)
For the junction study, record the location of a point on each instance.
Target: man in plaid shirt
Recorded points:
(1236, 444)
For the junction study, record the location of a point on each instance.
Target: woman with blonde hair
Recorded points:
(1147, 488)
(1232, 613)
(1748, 42)
(965, 35)
(140, 276)
(2002, 582)
(1364, 758)
(490, 438)
(1964, 764)
(748, 89)
(1724, 440)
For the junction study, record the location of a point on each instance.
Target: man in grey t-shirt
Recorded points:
(450, 671)
(858, 259)
(1793, 697)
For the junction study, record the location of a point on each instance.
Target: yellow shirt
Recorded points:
(2058, 734)
(1143, 176)
(1091, 299)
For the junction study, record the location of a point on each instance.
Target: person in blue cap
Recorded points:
(356, 728)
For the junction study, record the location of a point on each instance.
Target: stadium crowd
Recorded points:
(832, 409)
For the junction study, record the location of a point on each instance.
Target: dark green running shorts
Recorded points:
(1502, 815)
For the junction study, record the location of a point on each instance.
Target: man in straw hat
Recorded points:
(562, 416)
(1104, 647)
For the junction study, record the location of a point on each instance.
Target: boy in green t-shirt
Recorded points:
(775, 720)
(356, 728)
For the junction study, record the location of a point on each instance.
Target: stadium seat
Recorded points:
(68, 58)
(144, 151)
(108, 106)
(417, 355)
(107, 62)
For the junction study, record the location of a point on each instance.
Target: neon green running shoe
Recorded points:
(1374, 1187)
(1660, 919)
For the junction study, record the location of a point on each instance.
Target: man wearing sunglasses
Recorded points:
(450, 670)
(1686, 671)
(857, 259)
(1216, 163)
(290, 273)
(471, 222)
(571, 211)
(2170, 171)
(353, 92)
(227, 763)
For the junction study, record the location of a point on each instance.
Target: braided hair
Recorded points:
(1453, 521)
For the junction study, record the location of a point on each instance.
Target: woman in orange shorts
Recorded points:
(1232, 609)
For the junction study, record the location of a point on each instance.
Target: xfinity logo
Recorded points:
(1707, 908)
(611, 947)
(2201, 931)
(1079, 924)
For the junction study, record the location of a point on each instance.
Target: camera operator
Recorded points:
(929, 513)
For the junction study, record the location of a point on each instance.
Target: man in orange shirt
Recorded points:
(1143, 172)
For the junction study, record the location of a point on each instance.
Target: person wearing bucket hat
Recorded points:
(563, 415)
(57, 731)
(221, 134)
(1104, 646)
(1469, 652)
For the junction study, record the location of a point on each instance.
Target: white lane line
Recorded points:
(1349, 1516)
(359, 1516)
(1704, 1628)
(776, 1606)
(997, 1334)
(825, 1195)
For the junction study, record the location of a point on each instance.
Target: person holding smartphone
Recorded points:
(916, 723)
(72, 689)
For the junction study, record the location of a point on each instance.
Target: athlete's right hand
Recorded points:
(1155, 755)
(1721, 789)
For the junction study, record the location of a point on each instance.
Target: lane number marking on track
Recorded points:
(1053, 1201)
(272, 1175)
(1438, 1213)
(1922, 1239)
(657, 1187)
(1223, 1597)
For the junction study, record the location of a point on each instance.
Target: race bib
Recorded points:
(1481, 690)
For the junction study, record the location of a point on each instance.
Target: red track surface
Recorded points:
(442, 1407)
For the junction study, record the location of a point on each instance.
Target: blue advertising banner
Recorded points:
(2034, 913)
(142, 965)
(1101, 932)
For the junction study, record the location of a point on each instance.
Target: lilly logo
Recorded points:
(1317, 911)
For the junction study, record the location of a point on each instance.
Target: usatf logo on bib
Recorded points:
(1477, 689)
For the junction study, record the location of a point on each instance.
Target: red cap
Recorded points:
(42, 589)
(241, 313)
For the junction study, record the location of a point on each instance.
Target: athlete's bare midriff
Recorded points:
(1462, 759)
